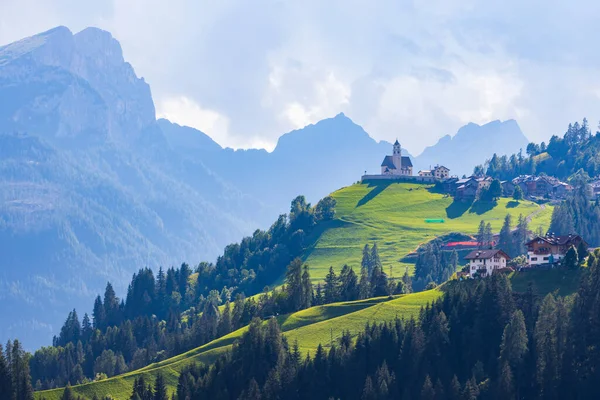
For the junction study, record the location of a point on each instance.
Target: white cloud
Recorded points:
(415, 70)
(184, 111)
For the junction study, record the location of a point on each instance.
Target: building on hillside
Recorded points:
(550, 249)
(483, 263)
(400, 168)
(397, 164)
(508, 188)
(594, 189)
(467, 189)
(542, 186)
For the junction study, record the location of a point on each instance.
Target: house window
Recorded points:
(546, 258)
(533, 258)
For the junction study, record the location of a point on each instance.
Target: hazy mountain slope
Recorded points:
(90, 190)
(472, 145)
(313, 161)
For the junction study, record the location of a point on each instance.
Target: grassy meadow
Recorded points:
(309, 327)
(393, 215)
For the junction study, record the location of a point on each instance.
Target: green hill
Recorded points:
(394, 215)
(309, 327)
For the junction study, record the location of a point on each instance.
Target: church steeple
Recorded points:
(397, 155)
(397, 148)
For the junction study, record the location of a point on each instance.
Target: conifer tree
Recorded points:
(366, 259)
(427, 392)
(481, 235)
(571, 260)
(5, 375)
(514, 340)
(225, 325)
(505, 241)
(160, 388)
(331, 287)
(407, 281)
(364, 286)
(505, 383)
(307, 288)
(369, 392)
(518, 193)
(293, 280)
(375, 260)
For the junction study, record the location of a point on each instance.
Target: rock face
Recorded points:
(93, 93)
(472, 145)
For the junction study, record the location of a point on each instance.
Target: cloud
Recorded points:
(184, 111)
(412, 70)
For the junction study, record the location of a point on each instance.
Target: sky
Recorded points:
(245, 72)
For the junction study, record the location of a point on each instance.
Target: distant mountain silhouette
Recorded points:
(472, 145)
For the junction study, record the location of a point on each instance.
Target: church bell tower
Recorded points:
(397, 155)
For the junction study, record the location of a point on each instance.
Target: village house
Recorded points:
(550, 249)
(439, 171)
(483, 263)
(542, 186)
(594, 189)
(467, 189)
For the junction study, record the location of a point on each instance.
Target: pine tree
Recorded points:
(252, 392)
(319, 295)
(455, 389)
(369, 392)
(427, 392)
(481, 235)
(20, 372)
(307, 288)
(571, 260)
(582, 252)
(293, 280)
(375, 260)
(366, 259)
(67, 394)
(225, 325)
(505, 241)
(160, 388)
(331, 287)
(364, 286)
(521, 236)
(407, 281)
(518, 193)
(5, 375)
(489, 235)
(99, 315)
(505, 383)
(514, 340)
(379, 282)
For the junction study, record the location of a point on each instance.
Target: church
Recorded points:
(397, 164)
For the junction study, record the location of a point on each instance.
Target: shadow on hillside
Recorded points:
(378, 187)
(512, 204)
(481, 207)
(457, 209)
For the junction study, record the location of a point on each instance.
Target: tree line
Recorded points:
(178, 309)
(480, 341)
(576, 151)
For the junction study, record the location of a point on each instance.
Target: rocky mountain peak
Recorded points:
(93, 73)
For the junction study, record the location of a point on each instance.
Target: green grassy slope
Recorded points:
(309, 327)
(564, 282)
(393, 215)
